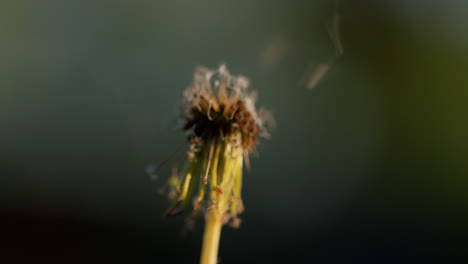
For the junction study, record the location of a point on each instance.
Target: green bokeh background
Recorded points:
(369, 166)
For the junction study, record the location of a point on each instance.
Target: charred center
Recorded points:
(211, 120)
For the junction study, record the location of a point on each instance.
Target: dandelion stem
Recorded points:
(213, 224)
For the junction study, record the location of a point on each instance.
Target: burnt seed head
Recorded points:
(223, 126)
(217, 104)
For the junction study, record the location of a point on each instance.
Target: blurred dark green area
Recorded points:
(367, 167)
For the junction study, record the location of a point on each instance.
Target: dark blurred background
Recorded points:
(369, 166)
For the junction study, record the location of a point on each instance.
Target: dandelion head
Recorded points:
(217, 104)
(223, 127)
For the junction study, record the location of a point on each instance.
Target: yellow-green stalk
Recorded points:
(223, 127)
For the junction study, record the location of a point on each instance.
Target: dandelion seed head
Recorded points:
(217, 103)
(223, 125)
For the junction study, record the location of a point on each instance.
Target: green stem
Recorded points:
(227, 166)
(213, 225)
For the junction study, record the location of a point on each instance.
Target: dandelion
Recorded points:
(223, 126)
